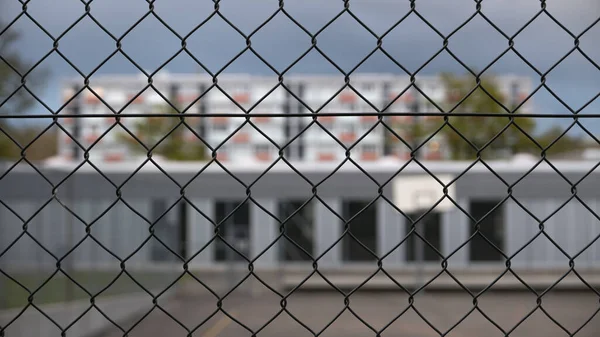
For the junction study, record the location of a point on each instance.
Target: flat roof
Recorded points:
(385, 165)
(164, 77)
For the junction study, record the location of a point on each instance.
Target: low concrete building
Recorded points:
(121, 204)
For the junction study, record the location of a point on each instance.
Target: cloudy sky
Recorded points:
(280, 42)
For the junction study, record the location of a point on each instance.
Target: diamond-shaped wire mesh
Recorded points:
(206, 204)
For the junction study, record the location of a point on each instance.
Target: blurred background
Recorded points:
(250, 194)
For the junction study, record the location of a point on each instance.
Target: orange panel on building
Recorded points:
(263, 156)
(430, 117)
(187, 98)
(403, 155)
(190, 137)
(222, 156)
(434, 155)
(241, 137)
(348, 97)
(138, 100)
(91, 138)
(403, 119)
(92, 99)
(347, 137)
(326, 119)
(365, 119)
(523, 96)
(369, 156)
(407, 97)
(326, 157)
(114, 157)
(241, 98)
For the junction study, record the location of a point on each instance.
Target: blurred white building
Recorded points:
(260, 139)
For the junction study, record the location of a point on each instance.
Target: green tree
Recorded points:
(481, 130)
(566, 144)
(478, 130)
(15, 100)
(175, 146)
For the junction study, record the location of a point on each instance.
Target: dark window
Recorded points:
(235, 230)
(299, 228)
(492, 227)
(183, 214)
(166, 230)
(262, 148)
(363, 229)
(369, 148)
(429, 228)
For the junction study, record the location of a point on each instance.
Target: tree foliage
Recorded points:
(175, 146)
(495, 137)
(38, 148)
(15, 99)
(501, 136)
(556, 143)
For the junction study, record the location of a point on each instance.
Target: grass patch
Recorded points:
(61, 289)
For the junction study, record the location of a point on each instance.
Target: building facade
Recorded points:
(263, 139)
(282, 220)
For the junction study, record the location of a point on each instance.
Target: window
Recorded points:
(369, 148)
(235, 230)
(429, 228)
(299, 228)
(165, 230)
(363, 229)
(262, 148)
(369, 86)
(492, 227)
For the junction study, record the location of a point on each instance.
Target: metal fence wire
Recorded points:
(94, 288)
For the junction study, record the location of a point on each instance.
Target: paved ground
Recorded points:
(316, 310)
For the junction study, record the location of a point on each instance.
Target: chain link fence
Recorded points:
(160, 212)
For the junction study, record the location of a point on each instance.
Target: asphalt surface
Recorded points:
(442, 310)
